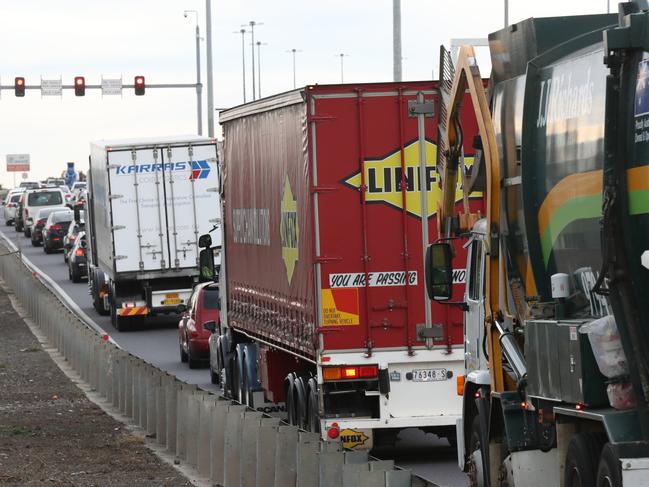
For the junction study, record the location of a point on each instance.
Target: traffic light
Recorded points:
(139, 85)
(79, 86)
(19, 86)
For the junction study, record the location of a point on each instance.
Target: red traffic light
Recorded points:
(139, 85)
(79, 86)
(19, 86)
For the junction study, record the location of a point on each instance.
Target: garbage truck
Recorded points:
(555, 389)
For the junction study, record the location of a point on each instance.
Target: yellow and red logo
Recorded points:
(383, 179)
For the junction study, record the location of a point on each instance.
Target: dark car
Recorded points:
(71, 236)
(55, 229)
(204, 305)
(77, 262)
(41, 218)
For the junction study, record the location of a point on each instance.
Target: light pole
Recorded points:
(396, 40)
(506, 13)
(243, 59)
(199, 86)
(210, 85)
(252, 25)
(259, 44)
(294, 51)
(342, 67)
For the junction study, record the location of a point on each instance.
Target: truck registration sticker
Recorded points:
(428, 375)
(171, 299)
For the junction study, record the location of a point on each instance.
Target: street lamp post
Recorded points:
(243, 59)
(210, 85)
(252, 25)
(342, 67)
(199, 86)
(259, 44)
(294, 51)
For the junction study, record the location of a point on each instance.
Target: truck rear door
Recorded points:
(192, 200)
(137, 205)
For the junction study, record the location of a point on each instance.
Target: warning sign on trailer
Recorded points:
(340, 307)
(376, 279)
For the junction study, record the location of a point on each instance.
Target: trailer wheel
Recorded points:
(582, 459)
(609, 473)
(289, 389)
(313, 416)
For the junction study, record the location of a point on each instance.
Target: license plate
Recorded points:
(171, 301)
(428, 375)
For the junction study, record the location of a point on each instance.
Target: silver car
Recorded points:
(10, 205)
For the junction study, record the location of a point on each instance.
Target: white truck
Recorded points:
(149, 200)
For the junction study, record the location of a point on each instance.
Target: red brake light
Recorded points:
(79, 253)
(55, 227)
(41, 222)
(367, 371)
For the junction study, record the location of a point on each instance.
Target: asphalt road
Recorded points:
(156, 341)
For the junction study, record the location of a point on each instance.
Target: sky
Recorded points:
(125, 38)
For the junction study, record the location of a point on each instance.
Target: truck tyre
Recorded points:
(117, 321)
(609, 473)
(582, 459)
(313, 416)
(289, 395)
(475, 467)
(301, 402)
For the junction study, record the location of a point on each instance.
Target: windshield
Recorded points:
(62, 216)
(44, 198)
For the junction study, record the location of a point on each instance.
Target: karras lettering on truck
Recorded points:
(383, 177)
(200, 169)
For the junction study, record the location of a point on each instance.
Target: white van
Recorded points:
(36, 199)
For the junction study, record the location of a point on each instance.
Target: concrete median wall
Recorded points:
(225, 442)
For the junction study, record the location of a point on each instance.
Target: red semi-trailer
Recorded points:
(322, 283)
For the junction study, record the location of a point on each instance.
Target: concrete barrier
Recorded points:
(227, 442)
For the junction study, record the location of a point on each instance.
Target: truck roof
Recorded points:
(152, 141)
(299, 96)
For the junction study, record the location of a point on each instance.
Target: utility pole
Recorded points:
(294, 51)
(259, 44)
(210, 84)
(506, 13)
(396, 40)
(243, 59)
(252, 25)
(199, 86)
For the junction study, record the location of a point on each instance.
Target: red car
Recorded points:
(203, 306)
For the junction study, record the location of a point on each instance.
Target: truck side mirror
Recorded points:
(206, 265)
(205, 241)
(439, 271)
(210, 326)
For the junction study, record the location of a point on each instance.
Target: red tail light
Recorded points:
(79, 253)
(41, 222)
(55, 227)
(367, 371)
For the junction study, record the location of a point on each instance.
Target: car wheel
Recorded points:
(46, 249)
(8, 223)
(183, 354)
(27, 232)
(34, 243)
(214, 376)
(74, 273)
(193, 363)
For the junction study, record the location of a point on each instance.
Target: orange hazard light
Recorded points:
(460, 385)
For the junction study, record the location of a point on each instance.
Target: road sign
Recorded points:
(17, 162)
(24, 175)
(51, 87)
(111, 86)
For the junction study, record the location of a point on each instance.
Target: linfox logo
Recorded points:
(200, 169)
(383, 178)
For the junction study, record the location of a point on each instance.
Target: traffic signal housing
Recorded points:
(19, 86)
(79, 86)
(139, 85)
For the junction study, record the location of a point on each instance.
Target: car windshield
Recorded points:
(44, 198)
(211, 299)
(45, 212)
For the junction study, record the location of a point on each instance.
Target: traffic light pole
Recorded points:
(199, 86)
